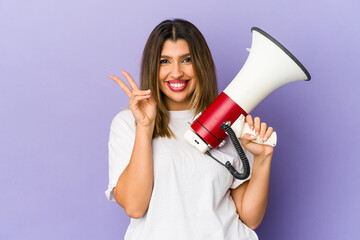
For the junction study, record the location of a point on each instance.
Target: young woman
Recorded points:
(168, 188)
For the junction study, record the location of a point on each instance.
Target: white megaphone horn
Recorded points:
(268, 66)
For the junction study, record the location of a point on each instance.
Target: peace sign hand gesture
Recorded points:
(142, 103)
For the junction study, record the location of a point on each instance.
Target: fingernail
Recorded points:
(252, 128)
(265, 138)
(148, 90)
(261, 139)
(257, 133)
(253, 136)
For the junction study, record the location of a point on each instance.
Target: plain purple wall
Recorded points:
(56, 106)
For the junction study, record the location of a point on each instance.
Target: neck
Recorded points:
(175, 106)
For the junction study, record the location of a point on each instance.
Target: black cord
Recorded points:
(209, 154)
(225, 126)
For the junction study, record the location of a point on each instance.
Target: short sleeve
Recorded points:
(240, 168)
(120, 145)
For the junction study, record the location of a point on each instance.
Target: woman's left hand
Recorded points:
(263, 132)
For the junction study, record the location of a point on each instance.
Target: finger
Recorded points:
(268, 133)
(152, 101)
(257, 125)
(249, 121)
(131, 81)
(123, 86)
(263, 128)
(139, 98)
(248, 137)
(141, 92)
(136, 93)
(136, 99)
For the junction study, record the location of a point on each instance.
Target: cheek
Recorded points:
(162, 73)
(190, 71)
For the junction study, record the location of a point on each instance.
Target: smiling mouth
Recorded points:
(177, 85)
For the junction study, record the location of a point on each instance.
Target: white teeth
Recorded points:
(176, 85)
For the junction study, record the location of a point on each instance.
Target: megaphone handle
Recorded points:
(271, 141)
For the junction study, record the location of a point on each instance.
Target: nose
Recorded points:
(177, 71)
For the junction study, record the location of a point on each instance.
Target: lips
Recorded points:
(177, 85)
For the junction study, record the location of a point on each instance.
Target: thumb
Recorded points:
(248, 138)
(152, 100)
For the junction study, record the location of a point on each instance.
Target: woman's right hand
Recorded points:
(142, 103)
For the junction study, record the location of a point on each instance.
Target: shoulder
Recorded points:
(124, 116)
(123, 120)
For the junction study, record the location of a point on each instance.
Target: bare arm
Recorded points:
(134, 187)
(136, 181)
(251, 198)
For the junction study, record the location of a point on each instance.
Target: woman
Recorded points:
(168, 188)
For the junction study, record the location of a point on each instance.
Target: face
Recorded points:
(176, 75)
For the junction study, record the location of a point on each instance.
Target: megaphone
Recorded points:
(268, 66)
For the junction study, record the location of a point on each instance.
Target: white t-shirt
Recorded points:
(191, 194)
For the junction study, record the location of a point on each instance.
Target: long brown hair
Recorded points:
(203, 64)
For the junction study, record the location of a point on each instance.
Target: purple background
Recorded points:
(56, 106)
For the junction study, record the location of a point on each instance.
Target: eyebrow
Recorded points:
(185, 55)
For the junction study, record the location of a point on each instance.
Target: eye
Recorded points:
(187, 60)
(163, 61)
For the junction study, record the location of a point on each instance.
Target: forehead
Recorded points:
(175, 48)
